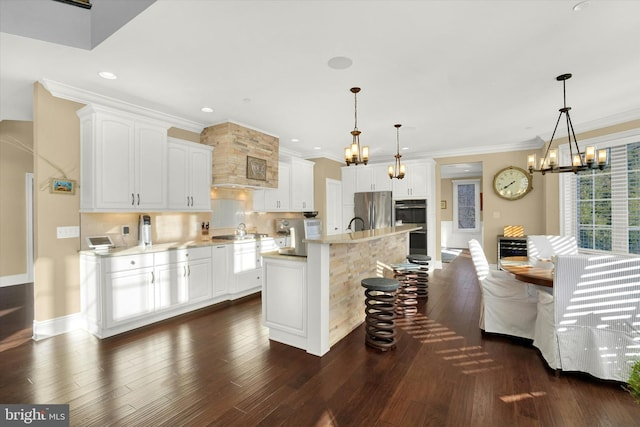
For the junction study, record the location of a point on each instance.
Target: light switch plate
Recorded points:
(68, 232)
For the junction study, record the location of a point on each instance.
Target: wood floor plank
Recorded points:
(218, 367)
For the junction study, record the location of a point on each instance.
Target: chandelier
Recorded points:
(579, 161)
(397, 170)
(352, 153)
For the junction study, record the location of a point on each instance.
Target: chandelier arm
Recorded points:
(546, 153)
(571, 132)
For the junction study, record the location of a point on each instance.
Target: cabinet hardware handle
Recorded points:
(191, 200)
(138, 199)
(187, 200)
(133, 262)
(133, 199)
(184, 268)
(153, 277)
(189, 270)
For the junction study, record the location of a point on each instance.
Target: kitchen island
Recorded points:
(322, 293)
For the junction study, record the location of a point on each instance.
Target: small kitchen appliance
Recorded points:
(144, 231)
(298, 230)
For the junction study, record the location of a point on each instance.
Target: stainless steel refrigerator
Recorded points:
(375, 208)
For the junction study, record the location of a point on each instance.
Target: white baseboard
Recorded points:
(16, 279)
(57, 326)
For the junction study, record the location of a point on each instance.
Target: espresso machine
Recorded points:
(144, 231)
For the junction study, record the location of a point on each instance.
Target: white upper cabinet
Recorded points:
(348, 184)
(294, 192)
(415, 183)
(301, 185)
(372, 178)
(123, 161)
(189, 176)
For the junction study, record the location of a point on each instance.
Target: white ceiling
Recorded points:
(460, 76)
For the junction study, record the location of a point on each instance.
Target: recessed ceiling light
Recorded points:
(405, 148)
(107, 75)
(317, 147)
(295, 140)
(340, 62)
(206, 110)
(581, 6)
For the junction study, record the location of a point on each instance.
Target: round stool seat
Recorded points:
(379, 284)
(418, 258)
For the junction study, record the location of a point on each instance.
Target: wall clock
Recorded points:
(512, 183)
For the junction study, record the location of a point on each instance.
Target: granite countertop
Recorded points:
(160, 247)
(278, 255)
(362, 236)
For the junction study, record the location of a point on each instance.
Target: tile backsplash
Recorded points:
(169, 227)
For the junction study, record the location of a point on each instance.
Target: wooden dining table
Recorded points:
(523, 271)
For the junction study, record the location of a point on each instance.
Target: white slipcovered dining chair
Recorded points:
(508, 306)
(591, 323)
(541, 248)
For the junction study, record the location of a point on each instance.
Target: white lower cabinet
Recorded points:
(222, 256)
(120, 293)
(131, 295)
(284, 300)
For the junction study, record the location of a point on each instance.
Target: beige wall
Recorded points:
(497, 212)
(324, 168)
(57, 155)
(16, 160)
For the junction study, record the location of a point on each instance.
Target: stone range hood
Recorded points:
(232, 144)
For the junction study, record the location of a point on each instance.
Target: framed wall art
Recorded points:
(62, 186)
(256, 168)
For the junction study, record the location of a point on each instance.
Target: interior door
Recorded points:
(334, 206)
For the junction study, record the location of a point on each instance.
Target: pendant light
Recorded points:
(579, 161)
(397, 169)
(352, 154)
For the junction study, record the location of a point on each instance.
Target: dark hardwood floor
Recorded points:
(217, 367)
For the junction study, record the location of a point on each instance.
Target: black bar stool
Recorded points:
(380, 308)
(422, 272)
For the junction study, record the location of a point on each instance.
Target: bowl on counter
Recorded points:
(310, 214)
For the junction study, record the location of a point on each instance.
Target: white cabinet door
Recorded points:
(348, 184)
(372, 178)
(114, 163)
(150, 166)
(250, 279)
(284, 297)
(333, 205)
(364, 178)
(129, 295)
(381, 180)
(189, 176)
(278, 200)
(301, 185)
(222, 258)
(123, 161)
(414, 184)
(201, 178)
(199, 274)
(171, 285)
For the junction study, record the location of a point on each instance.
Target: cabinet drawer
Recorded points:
(129, 262)
(199, 253)
(171, 256)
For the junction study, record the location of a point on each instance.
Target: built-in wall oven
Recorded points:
(414, 212)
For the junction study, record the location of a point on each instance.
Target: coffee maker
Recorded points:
(144, 231)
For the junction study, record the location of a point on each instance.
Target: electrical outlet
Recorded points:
(125, 230)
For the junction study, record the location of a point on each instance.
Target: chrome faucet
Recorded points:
(351, 222)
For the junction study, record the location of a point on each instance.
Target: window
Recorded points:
(601, 208)
(466, 205)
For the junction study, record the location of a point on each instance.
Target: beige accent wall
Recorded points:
(529, 211)
(324, 168)
(57, 155)
(232, 144)
(446, 195)
(16, 160)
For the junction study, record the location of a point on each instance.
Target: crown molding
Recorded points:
(64, 91)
